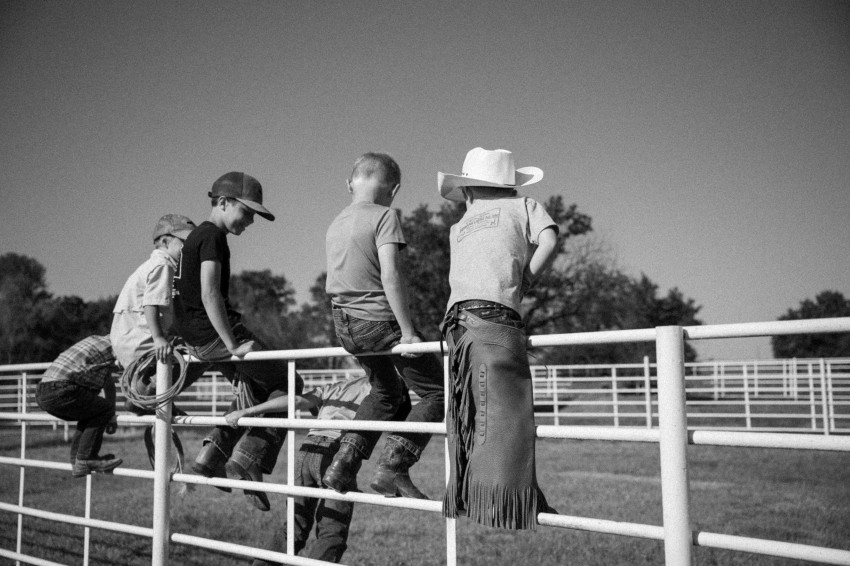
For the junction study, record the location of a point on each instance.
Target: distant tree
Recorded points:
(23, 292)
(590, 293)
(34, 325)
(827, 304)
(264, 300)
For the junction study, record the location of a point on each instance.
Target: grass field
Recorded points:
(784, 495)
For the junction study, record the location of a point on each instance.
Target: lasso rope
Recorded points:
(137, 383)
(139, 380)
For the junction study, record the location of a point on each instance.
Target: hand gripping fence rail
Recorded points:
(673, 437)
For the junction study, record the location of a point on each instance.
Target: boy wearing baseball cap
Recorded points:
(142, 317)
(214, 332)
(498, 249)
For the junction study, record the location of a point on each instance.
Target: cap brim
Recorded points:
(182, 234)
(257, 207)
(450, 185)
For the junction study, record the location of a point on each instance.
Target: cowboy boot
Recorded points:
(341, 475)
(391, 477)
(237, 471)
(210, 463)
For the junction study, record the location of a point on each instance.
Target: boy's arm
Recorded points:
(544, 255)
(214, 305)
(274, 405)
(396, 290)
(161, 346)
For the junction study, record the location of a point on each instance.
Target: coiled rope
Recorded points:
(138, 383)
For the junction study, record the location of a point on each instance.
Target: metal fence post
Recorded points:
(162, 478)
(747, 409)
(614, 397)
(647, 384)
(451, 524)
(22, 473)
(672, 422)
(824, 396)
(290, 459)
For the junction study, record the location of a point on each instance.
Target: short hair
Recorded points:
(371, 163)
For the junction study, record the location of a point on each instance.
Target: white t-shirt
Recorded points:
(492, 245)
(149, 285)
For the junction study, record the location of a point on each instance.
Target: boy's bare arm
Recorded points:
(161, 346)
(396, 290)
(274, 405)
(213, 302)
(544, 255)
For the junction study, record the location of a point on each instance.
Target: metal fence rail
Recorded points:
(806, 395)
(672, 435)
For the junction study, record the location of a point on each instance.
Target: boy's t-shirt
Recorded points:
(491, 246)
(207, 242)
(339, 401)
(354, 270)
(149, 285)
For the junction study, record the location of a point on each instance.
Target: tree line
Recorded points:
(584, 291)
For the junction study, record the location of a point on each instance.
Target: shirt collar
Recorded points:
(157, 253)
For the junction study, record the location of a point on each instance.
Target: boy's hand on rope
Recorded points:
(162, 349)
(244, 348)
(231, 418)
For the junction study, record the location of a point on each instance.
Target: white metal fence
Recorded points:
(672, 435)
(805, 395)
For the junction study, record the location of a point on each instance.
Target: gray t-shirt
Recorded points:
(354, 271)
(491, 247)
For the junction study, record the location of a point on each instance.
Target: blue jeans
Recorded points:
(423, 375)
(71, 402)
(265, 379)
(332, 517)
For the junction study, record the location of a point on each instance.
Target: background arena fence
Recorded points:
(805, 395)
(672, 435)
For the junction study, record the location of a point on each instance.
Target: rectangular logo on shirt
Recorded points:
(489, 219)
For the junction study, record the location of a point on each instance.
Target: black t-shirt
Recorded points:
(207, 242)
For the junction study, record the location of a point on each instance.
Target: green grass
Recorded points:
(784, 495)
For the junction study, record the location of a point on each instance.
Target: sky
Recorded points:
(708, 140)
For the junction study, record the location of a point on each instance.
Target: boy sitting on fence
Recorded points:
(69, 389)
(335, 401)
(371, 314)
(498, 249)
(143, 315)
(214, 332)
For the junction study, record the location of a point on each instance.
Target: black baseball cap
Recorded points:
(244, 188)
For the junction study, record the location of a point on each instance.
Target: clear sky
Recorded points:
(708, 140)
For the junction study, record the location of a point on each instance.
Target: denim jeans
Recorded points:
(423, 375)
(71, 402)
(332, 517)
(265, 379)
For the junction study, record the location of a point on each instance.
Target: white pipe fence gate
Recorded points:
(672, 436)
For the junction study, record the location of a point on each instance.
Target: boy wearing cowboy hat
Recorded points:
(499, 247)
(371, 314)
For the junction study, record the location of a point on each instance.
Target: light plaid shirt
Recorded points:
(88, 363)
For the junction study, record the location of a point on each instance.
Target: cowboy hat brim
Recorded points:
(450, 185)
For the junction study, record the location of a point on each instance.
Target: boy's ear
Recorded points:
(395, 190)
(348, 185)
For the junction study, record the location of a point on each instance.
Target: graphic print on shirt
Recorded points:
(488, 219)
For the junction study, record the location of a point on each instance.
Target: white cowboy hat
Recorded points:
(485, 168)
